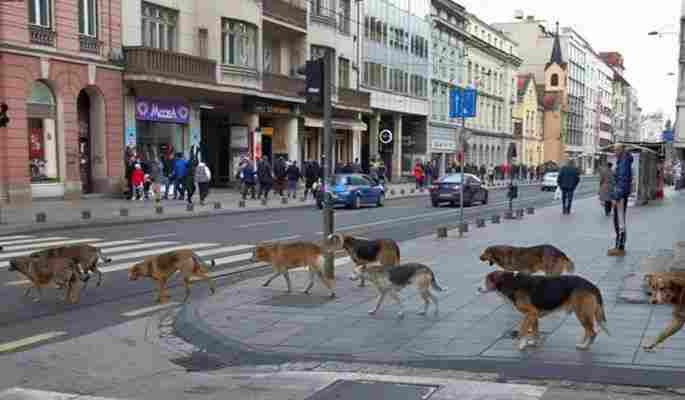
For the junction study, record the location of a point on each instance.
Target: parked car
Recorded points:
(549, 181)
(447, 190)
(354, 191)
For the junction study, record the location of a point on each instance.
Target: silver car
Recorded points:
(549, 181)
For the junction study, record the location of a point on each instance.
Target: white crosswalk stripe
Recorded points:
(34, 246)
(32, 394)
(32, 240)
(14, 237)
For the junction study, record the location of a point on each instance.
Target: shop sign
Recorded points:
(443, 145)
(270, 109)
(131, 136)
(162, 111)
(385, 136)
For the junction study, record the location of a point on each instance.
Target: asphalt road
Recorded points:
(227, 238)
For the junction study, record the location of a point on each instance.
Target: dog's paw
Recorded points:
(582, 346)
(361, 285)
(649, 348)
(36, 299)
(307, 292)
(333, 295)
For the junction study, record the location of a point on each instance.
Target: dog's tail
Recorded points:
(102, 257)
(434, 283)
(600, 315)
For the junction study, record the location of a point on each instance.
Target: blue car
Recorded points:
(354, 191)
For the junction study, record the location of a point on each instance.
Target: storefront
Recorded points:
(161, 128)
(443, 145)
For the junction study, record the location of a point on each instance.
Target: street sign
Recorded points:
(462, 103)
(469, 103)
(385, 136)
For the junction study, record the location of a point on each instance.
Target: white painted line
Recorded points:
(146, 310)
(22, 282)
(48, 244)
(31, 394)
(115, 243)
(9, 346)
(127, 265)
(6, 256)
(33, 240)
(394, 220)
(262, 223)
(281, 239)
(163, 235)
(223, 250)
(137, 247)
(233, 259)
(15, 237)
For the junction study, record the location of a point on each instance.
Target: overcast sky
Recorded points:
(611, 25)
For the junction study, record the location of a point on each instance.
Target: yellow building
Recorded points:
(528, 126)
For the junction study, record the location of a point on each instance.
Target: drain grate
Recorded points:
(296, 300)
(355, 390)
(199, 361)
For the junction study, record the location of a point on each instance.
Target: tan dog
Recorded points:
(85, 256)
(364, 252)
(286, 256)
(44, 271)
(544, 258)
(667, 288)
(392, 279)
(163, 266)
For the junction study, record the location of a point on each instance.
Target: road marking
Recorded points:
(281, 239)
(138, 247)
(18, 283)
(115, 243)
(150, 309)
(222, 250)
(233, 259)
(33, 240)
(31, 394)
(15, 237)
(49, 244)
(163, 235)
(127, 265)
(262, 223)
(9, 346)
(6, 256)
(386, 221)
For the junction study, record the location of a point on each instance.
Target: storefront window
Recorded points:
(41, 135)
(155, 139)
(239, 44)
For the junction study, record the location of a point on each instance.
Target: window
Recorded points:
(344, 13)
(159, 27)
(40, 12)
(88, 17)
(343, 73)
(203, 42)
(239, 44)
(323, 8)
(554, 81)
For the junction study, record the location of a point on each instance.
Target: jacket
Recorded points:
(264, 173)
(137, 177)
(202, 173)
(418, 172)
(606, 183)
(623, 177)
(568, 178)
(280, 169)
(248, 175)
(293, 173)
(180, 168)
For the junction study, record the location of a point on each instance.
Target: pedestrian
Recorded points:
(137, 180)
(623, 182)
(131, 161)
(606, 186)
(189, 181)
(294, 176)
(491, 174)
(248, 178)
(155, 173)
(567, 181)
(179, 173)
(280, 174)
(203, 176)
(311, 175)
(418, 174)
(166, 177)
(265, 177)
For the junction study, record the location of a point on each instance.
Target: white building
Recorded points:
(652, 127)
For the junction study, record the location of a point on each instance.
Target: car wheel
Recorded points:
(319, 205)
(468, 201)
(381, 200)
(435, 203)
(356, 202)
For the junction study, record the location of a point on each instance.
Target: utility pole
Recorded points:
(461, 143)
(328, 213)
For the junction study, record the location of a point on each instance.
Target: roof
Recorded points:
(557, 57)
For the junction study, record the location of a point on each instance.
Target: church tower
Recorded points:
(554, 102)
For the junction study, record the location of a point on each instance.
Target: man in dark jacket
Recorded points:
(294, 176)
(179, 173)
(265, 177)
(311, 175)
(280, 173)
(247, 176)
(567, 180)
(623, 184)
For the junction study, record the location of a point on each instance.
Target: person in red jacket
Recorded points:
(137, 181)
(418, 174)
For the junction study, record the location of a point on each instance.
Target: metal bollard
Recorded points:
(190, 207)
(442, 232)
(412, 191)
(123, 212)
(217, 204)
(284, 200)
(85, 214)
(392, 192)
(530, 210)
(463, 228)
(402, 192)
(480, 222)
(41, 217)
(264, 202)
(241, 204)
(508, 214)
(519, 213)
(159, 210)
(496, 219)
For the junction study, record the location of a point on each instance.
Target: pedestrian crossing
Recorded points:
(31, 394)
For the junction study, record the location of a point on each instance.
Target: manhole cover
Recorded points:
(356, 390)
(296, 300)
(197, 362)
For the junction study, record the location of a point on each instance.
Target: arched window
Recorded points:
(554, 81)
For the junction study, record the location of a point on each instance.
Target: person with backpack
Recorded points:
(248, 178)
(265, 177)
(203, 176)
(294, 175)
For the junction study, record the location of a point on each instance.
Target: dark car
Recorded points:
(354, 191)
(447, 190)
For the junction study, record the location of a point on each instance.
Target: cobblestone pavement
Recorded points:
(249, 324)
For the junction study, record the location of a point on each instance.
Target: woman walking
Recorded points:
(606, 186)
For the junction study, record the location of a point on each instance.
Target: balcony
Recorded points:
(286, 12)
(89, 44)
(42, 35)
(353, 98)
(148, 61)
(283, 85)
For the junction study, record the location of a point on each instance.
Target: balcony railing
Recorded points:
(286, 12)
(283, 85)
(353, 98)
(89, 44)
(145, 60)
(42, 35)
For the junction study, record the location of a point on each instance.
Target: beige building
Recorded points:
(528, 116)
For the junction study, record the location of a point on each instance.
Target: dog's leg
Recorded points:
(434, 299)
(393, 293)
(100, 274)
(186, 283)
(271, 278)
(675, 325)
(379, 301)
(28, 290)
(326, 282)
(426, 303)
(527, 325)
(362, 281)
(162, 291)
(286, 275)
(308, 289)
(40, 295)
(202, 274)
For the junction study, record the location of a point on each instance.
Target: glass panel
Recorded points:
(41, 94)
(81, 16)
(92, 18)
(32, 12)
(44, 16)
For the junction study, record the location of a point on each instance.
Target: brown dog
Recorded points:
(544, 258)
(44, 271)
(161, 267)
(667, 288)
(286, 256)
(364, 252)
(85, 256)
(536, 296)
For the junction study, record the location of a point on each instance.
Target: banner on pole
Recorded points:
(462, 103)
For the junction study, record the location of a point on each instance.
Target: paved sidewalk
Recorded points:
(249, 324)
(61, 214)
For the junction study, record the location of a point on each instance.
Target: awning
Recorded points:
(346, 124)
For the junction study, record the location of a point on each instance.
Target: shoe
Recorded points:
(616, 252)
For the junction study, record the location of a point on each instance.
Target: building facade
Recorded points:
(448, 35)
(528, 121)
(491, 67)
(60, 76)
(620, 99)
(652, 127)
(396, 74)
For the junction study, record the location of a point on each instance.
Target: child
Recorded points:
(137, 181)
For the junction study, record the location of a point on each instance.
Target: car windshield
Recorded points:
(342, 180)
(455, 178)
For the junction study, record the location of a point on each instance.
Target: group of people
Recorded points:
(283, 175)
(425, 173)
(147, 177)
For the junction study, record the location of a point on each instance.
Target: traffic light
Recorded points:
(314, 72)
(4, 119)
